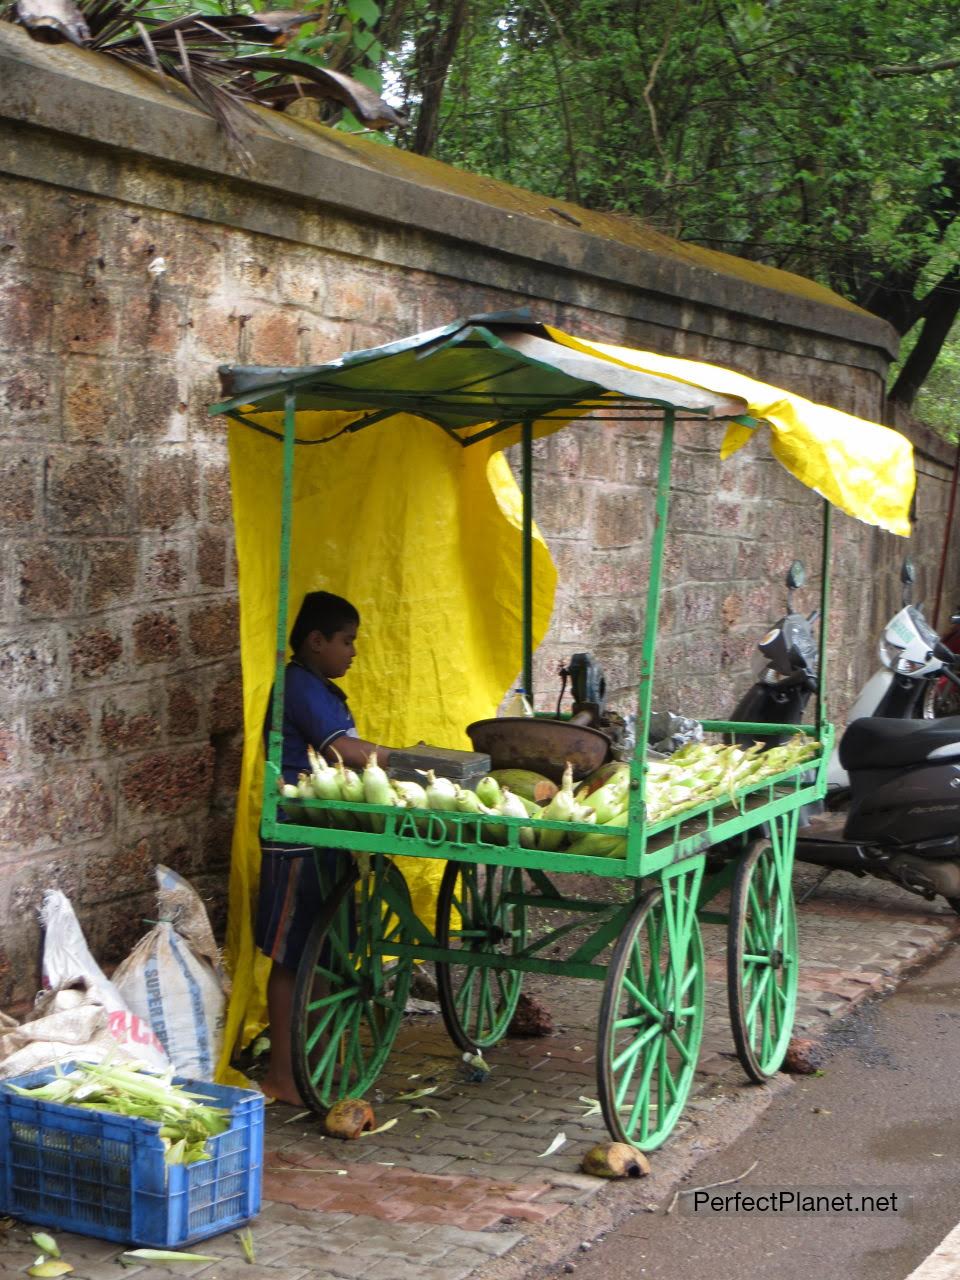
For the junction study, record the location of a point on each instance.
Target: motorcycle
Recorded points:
(784, 669)
(903, 774)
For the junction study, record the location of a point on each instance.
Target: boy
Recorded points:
(315, 713)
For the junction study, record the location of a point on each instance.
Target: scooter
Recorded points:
(912, 659)
(903, 820)
(941, 697)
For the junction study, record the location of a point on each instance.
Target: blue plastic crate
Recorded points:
(104, 1175)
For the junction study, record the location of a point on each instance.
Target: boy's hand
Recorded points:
(355, 752)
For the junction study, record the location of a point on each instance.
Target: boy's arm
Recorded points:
(355, 752)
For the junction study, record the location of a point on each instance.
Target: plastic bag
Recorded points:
(669, 732)
(67, 959)
(173, 980)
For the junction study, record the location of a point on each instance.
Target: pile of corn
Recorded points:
(697, 774)
(186, 1120)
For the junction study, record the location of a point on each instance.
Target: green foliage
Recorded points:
(756, 127)
(750, 127)
(938, 402)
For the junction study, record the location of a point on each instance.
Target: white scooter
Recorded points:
(912, 657)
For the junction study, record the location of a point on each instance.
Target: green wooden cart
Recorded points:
(475, 379)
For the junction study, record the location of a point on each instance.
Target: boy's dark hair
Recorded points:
(322, 611)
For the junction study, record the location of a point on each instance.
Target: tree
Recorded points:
(816, 135)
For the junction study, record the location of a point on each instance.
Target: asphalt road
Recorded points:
(884, 1117)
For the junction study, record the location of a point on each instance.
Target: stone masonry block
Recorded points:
(211, 557)
(172, 843)
(130, 720)
(213, 629)
(60, 731)
(226, 701)
(61, 235)
(11, 740)
(183, 708)
(91, 399)
(164, 571)
(48, 579)
(217, 329)
(156, 637)
(19, 477)
(299, 281)
(696, 473)
(151, 320)
(167, 490)
(323, 338)
(620, 517)
(26, 308)
(273, 337)
(111, 573)
(217, 507)
(95, 653)
(149, 404)
(86, 492)
(166, 783)
(30, 397)
(349, 298)
(86, 319)
(563, 507)
(705, 558)
(30, 666)
(599, 452)
(67, 805)
(227, 761)
(689, 514)
(128, 870)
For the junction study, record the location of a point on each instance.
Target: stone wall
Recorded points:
(136, 255)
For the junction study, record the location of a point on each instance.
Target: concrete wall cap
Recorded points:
(78, 93)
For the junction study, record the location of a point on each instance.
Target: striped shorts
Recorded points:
(291, 897)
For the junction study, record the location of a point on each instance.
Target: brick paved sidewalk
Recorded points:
(449, 1196)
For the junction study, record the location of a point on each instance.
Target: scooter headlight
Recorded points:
(891, 655)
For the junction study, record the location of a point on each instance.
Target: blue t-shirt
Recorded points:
(315, 713)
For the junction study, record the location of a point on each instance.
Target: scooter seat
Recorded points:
(875, 742)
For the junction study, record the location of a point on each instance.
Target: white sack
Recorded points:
(172, 980)
(67, 959)
(64, 1026)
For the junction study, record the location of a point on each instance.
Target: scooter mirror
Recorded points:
(796, 575)
(908, 576)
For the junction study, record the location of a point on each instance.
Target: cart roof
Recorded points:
(484, 375)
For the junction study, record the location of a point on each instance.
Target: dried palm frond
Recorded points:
(209, 54)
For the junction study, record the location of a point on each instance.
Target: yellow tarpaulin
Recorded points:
(864, 469)
(423, 537)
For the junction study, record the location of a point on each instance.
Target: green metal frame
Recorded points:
(462, 837)
(671, 853)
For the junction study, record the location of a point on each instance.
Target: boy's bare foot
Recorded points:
(281, 1091)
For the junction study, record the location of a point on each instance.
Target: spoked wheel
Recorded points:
(651, 1018)
(350, 993)
(473, 915)
(762, 960)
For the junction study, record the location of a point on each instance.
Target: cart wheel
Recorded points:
(651, 1020)
(350, 993)
(477, 1004)
(762, 961)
